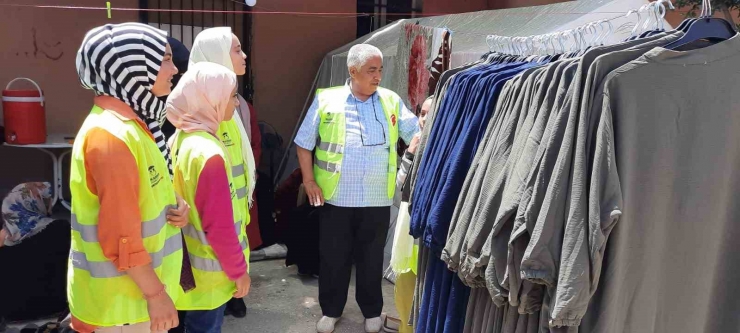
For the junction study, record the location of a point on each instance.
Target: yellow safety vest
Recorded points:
(213, 288)
(98, 293)
(228, 132)
(330, 148)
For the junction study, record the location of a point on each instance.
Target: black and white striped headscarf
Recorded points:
(122, 61)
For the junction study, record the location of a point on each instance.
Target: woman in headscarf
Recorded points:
(221, 46)
(181, 57)
(126, 254)
(215, 239)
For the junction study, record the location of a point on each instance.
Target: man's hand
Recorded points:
(242, 286)
(313, 191)
(179, 217)
(162, 313)
(414, 145)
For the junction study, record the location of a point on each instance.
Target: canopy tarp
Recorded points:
(468, 40)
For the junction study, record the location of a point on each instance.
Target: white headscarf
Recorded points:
(214, 45)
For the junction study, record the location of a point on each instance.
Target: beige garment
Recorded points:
(135, 328)
(247, 154)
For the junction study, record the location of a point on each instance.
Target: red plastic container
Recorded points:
(24, 115)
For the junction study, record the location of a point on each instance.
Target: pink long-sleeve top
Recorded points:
(213, 202)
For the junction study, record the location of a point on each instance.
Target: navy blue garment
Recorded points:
(441, 137)
(459, 127)
(207, 321)
(444, 301)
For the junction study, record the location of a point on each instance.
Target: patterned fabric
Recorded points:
(364, 178)
(122, 61)
(418, 72)
(26, 211)
(413, 55)
(442, 62)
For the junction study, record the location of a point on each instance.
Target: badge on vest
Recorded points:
(330, 117)
(393, 119)
(227, 139)
(154, 176)
(233, 192)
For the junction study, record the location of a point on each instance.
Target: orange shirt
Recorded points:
(112, 175)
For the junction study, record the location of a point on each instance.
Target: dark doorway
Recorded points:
(379, 11)
(184, 26)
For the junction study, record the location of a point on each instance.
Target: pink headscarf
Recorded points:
(199, 101)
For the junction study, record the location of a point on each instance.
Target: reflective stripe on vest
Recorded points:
(331, 147)
(89, 233)
(106, 269)
(237, 171)
(193, 233)
(327, 166)
(211, 265)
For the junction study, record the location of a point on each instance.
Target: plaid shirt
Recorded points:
(364, 179)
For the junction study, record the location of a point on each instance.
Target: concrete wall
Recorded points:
(41, 44)
(287, 51)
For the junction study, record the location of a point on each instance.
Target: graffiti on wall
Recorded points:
(50, 50)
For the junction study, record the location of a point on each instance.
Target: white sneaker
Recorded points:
(373, 325)
(326, 324)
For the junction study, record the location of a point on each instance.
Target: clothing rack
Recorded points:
(569, 198)
(545, 44)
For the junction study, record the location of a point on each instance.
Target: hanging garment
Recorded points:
(581, 284)
(441, 63)
(668, 177)
(515, 184)
(453, 142)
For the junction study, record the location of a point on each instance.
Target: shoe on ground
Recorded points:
(303, 272)
(373, 325)
(236, 308)
(326, 324)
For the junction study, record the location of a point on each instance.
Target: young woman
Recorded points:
(215, 238)
(126, 255)
(221, 46)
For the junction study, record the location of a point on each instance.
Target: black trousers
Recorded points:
(350, 235)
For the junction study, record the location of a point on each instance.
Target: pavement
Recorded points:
(281, 301)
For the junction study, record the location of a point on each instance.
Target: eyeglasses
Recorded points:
(375, 114)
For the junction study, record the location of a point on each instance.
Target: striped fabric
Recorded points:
(122, 61)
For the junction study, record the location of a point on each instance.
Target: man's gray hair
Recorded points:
(360, 54)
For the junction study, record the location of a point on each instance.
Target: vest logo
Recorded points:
(154, 176)
(227, 139)
(329, 118)
(393, 119)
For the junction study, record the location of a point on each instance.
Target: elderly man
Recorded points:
(354, 130)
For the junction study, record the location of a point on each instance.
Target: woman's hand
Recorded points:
(178, 217)
(243, 284)
(414, 145)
